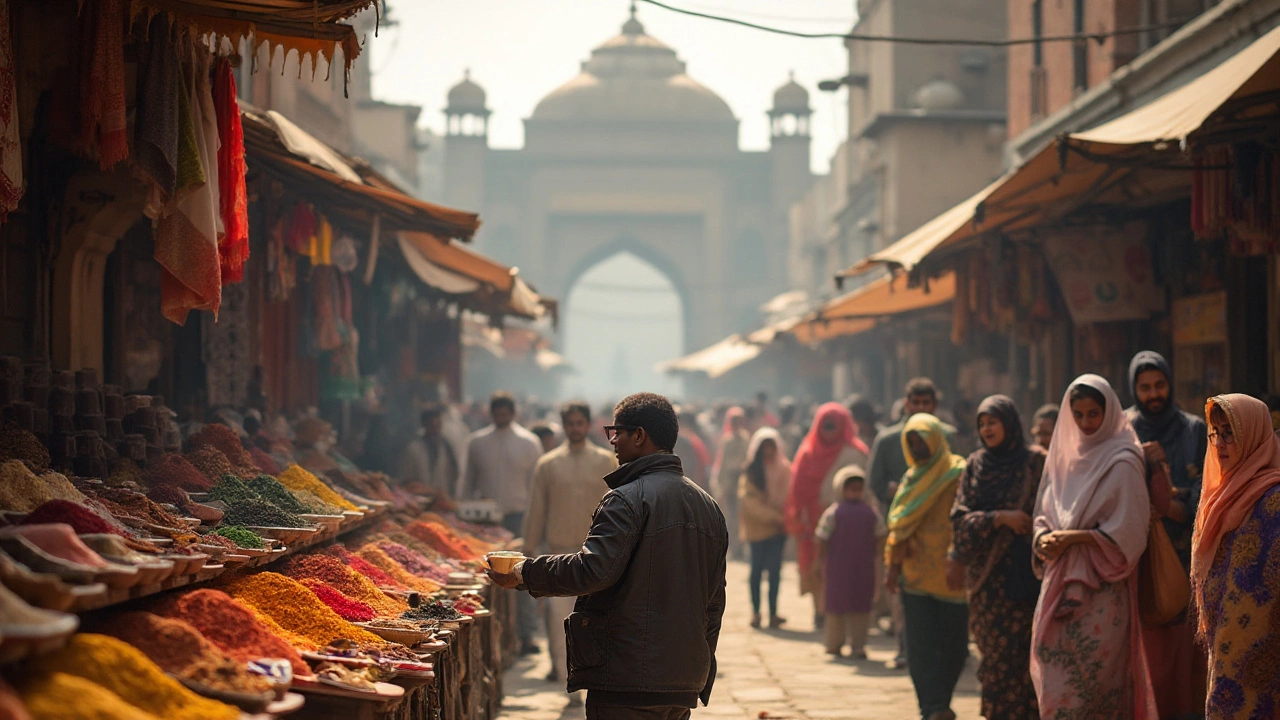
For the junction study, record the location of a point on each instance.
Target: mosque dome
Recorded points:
(467, 96)
(633, 76)
(939, 94)
(791, 98)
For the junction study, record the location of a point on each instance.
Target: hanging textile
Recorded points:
(103, 129)
(156, 134)
(11, 181)
(233, 249)
(1235, 190)
(228, 360)
(301, 229)
(186, 235)
(327, 296)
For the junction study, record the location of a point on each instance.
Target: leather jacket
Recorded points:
(650, 581)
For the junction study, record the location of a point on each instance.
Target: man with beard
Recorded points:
(1178, 440)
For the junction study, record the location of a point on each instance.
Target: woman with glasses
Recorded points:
(1090, 529)
(831, 444)
(1235, 559)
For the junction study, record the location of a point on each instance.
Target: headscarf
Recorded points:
(1230, 494)
(846, 473)
(774, 475)
(733, 413)
(1159, 425)
(926, 482)
(995, 475)
(813, 462)
(1179, 434)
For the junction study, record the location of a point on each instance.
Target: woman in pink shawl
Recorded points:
(832, 443)
(1090, 529)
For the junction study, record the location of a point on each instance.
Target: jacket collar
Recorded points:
(647, 465)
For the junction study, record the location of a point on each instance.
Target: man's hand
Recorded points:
(504, 580)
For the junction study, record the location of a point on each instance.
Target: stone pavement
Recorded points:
(778, 674)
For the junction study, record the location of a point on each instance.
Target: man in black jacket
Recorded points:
(650, 578)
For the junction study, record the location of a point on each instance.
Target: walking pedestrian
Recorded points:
(864, 414)
(992, 549)
(849, 534)
(1042, 425)
(830, 445)
(920, 534)
(650, 577)
(1235, 563)
(1175, 441)
(732, 456)
(429, 463)
(1090, 529)
(762, 498)
(500, 462)
(889, 464)
(568, 483)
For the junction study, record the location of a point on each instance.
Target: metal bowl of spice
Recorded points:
(286, 535)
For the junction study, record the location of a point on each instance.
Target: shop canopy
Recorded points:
(455, 270)
(276, 145)
(1123, 160)
(715, 360)
(860, 310)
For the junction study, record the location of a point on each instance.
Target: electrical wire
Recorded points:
(910, 40)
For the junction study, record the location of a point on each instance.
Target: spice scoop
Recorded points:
(502, 561)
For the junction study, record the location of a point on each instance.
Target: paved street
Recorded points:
(783, 674)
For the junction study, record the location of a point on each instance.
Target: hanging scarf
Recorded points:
(156, 134)
(927, 482)
(103, 129)
(12, 185)
(813, 463)
(233, 248)
(1230, 494)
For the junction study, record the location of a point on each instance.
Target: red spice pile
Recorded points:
(443, 539)
(168, 494)
(346, 608)
(330, 571)
(365, 568)
(232, 627)
(83, 520)
(210, 461)
(222, 438)
(264, 462)
(173, 469)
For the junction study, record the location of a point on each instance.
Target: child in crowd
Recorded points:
(849, 536)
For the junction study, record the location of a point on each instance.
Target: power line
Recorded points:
(910, 40)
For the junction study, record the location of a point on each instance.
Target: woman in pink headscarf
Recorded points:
(1090, 529)
(832, 443)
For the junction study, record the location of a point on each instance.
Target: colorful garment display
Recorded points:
(233, 248)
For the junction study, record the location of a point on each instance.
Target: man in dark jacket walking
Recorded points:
(650, 578)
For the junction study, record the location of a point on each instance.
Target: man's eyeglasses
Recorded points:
(611, 431)
(1228, 437)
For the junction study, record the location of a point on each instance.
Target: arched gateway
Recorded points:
(633, 155)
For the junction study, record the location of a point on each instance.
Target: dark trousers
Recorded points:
(609, 712)
(766, 557)
(526, 606)
(937, 645)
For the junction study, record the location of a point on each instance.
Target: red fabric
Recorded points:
(813, 463)
(233, 248)
(302, 227)
(103, 127)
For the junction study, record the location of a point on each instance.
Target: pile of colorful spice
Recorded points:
(345, 607)
(231, 489)
(260, 513)
(241, 537)
(21, 490)
(433, 610)
(296, 478)
(125, 672)
(270, 489)
(443, 538)
(139, 506)
(173, 469)
(314, 504)
(329, 570)
(365, 568)
(211, 462)
(19, 444)
(82, 519)
(263, 461)
(415, 562)
(44, 697)
(377, 557)
(295, 608)
(179, 649)
(224, 439)
(231, 626)
(125, 473)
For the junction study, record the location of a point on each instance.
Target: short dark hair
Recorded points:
(1046, 412)
(542, 430)
(1082, 391)
(922, 386)
(652, 412)
(502, 399)
(429, 413)
(575, 406)
(862, 410)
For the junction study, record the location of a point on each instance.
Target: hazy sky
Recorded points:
(520, 50)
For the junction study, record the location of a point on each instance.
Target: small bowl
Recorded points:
(503, 561)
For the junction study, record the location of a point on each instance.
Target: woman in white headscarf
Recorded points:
(762, 497)
(1090, 529)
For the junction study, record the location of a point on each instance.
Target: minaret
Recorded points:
(466, 145)
(789, 146)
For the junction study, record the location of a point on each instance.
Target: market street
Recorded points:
(784, 673)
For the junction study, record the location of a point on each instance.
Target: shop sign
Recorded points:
(1105, 274)
(1200, 319)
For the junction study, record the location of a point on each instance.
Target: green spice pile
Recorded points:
(242, 537)
(270, 489)
(260, 513)
(231, 489)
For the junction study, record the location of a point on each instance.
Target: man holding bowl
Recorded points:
(650, 578)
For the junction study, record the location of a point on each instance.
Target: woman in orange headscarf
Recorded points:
(1235, 558)
(832, 443)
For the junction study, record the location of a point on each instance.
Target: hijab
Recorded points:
(996, 475)
(773, 469)
(1162, 426)
(815, 458)
(926, 482)
(1230, 494)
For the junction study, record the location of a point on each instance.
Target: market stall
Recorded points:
(150, 575)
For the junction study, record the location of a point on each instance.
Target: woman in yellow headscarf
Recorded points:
(920, 533)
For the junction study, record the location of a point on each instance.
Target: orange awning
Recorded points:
(860, 310)
(455, 270)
